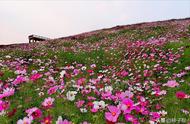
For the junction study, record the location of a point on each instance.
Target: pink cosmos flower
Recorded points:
(124, 73)
(106, 95)
(61, 121)
(76, 71)
(80, 81)
(171, 83)
(160, 92)
(4, 105)
(80, 103)
(7, 92)
(94, 110)
(180, 95)
(25, 120)
(34, 112)
(48, 102)
(21, 71)
(158, 106)
(35, 76)
(47, 120)
(19, 80)
(113, 114)
(127, 105)
(52, 90)
(146, 73)
(129, 118)
(155, 116)
(93, 66)
(125, 94)
(141, 110)
(91, 98)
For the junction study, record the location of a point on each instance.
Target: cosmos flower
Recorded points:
(71, 95)
(25, 120)
(124, 73)
(52, 90)
(47, 120)
(62, 73)
(187, 68)
(61, 121)
(48, 102)
(142, 110)
(7, 92)
(127, 105)
(155, 116)
(4, 105)
(19, 80)
(113, 113)
(180, 95)
(129, 118)
(35, 76)
(80, 81)
(99, 105)
(80, 103)
(171, 83)
(108, 88)
(34, 112)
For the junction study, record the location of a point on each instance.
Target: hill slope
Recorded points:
(126, 74)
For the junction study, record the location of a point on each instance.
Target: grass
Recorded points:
(27, 96)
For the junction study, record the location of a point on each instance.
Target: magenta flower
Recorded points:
(127, 105)
(34, 112)
(19, 80)
(80, 103)
(35, 76)
(129, 118)
(113, 114)
(52, 90)
(80, 81)
(7, 92)
(124, 73)
(94, 110)
(47, 120)
(76, 71)
(155, 116)
(180, 95)
(142, 110)
(146, 73)
(125, 94)
(4, 105)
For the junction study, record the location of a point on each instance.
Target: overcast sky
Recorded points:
(58, 18)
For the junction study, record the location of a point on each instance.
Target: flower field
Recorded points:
(138, 75)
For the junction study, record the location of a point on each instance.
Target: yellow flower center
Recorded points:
(113, 113)
(46, 121)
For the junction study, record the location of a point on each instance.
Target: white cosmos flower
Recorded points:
(187, 68)
(99, 104)
(8, 57)
(83, 110)
(108, 89)
(83, 68)
(163, 112)
(2, 113)
(71, 95)
(62, 73)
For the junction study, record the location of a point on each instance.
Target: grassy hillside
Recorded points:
(126, 74)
